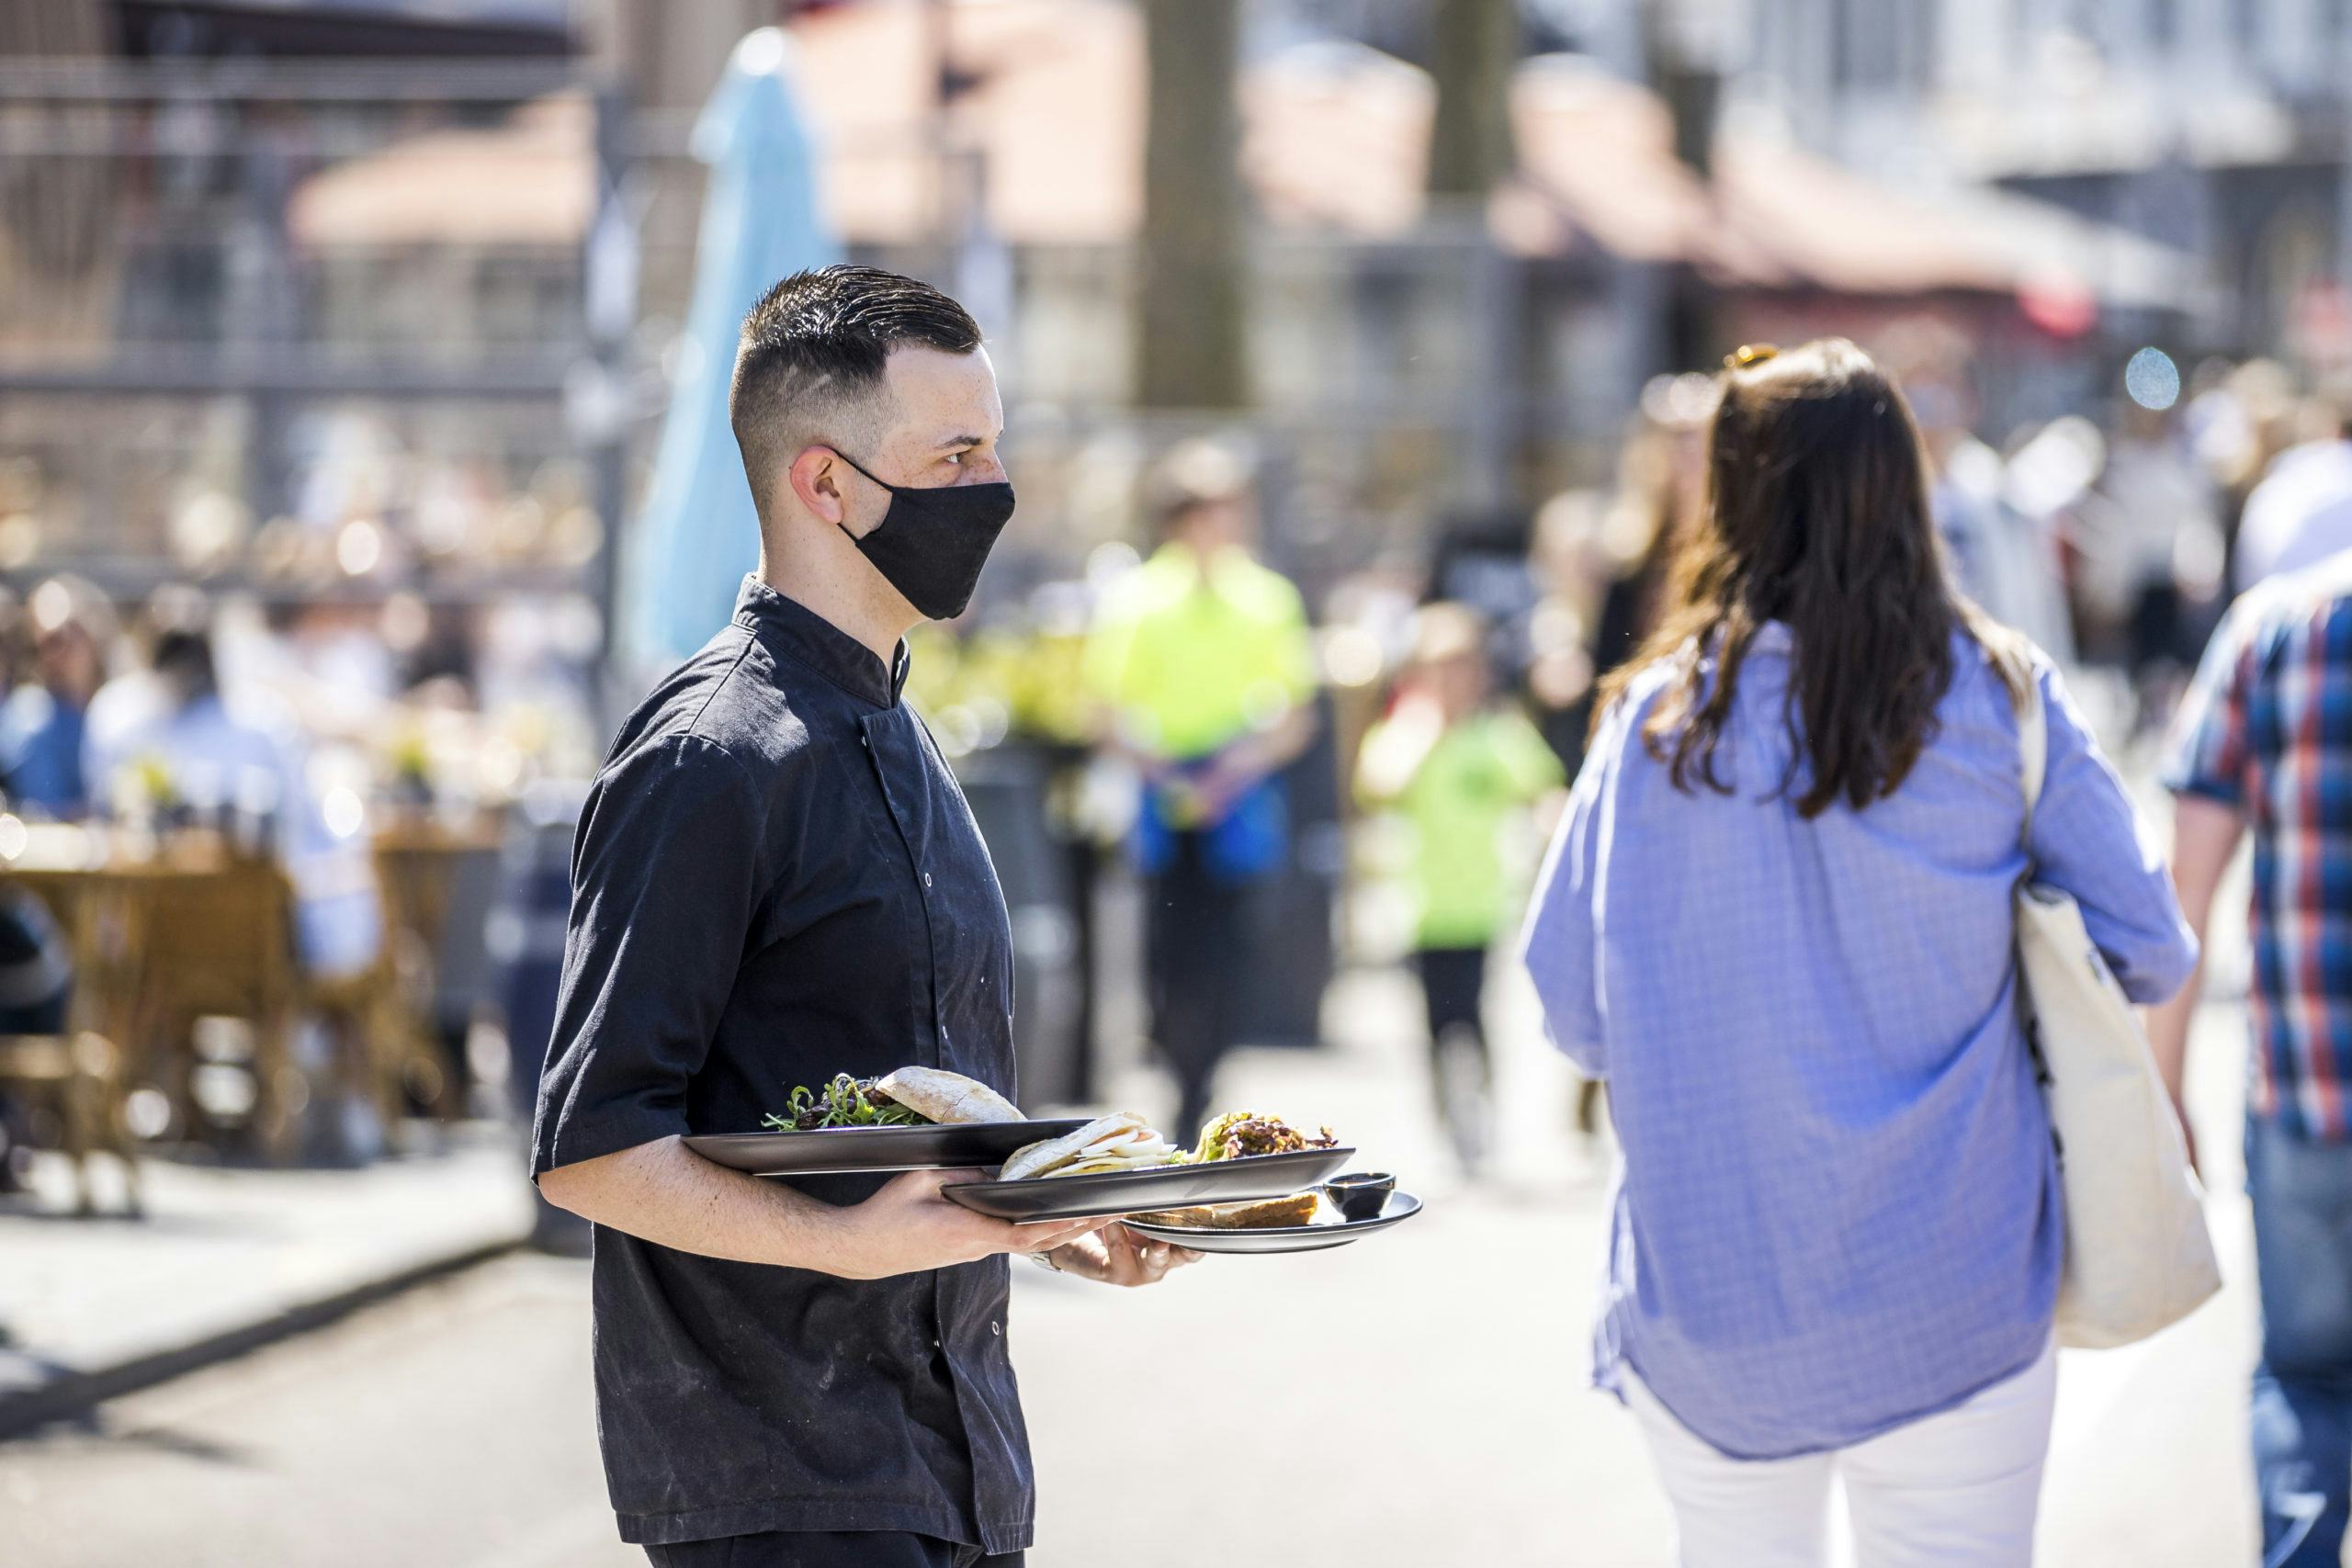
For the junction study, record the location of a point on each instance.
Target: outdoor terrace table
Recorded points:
(166, 930)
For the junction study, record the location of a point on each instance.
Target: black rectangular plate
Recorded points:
(1155, 1187)
(861, 1151)
(1324, 1233)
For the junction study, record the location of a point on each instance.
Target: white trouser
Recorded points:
(1957, 1490)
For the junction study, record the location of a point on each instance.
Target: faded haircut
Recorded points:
(808, 366)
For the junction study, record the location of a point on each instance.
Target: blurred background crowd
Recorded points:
(363, 457)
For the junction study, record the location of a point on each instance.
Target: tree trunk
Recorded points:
(1691, 91)
(1191, 349)
(1474, 51)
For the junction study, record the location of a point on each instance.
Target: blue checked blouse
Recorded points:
(1837, 1210)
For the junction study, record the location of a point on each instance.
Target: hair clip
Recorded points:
(1750, 353)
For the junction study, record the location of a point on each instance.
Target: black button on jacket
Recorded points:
(776, 879)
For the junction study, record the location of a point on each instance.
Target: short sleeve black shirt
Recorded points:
(777, 879)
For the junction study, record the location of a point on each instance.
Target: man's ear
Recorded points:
(816, 478)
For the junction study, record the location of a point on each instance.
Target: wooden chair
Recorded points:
(222, 944)
(422, 870)
(378, 1012)
(79, 1077)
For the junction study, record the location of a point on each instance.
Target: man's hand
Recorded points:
(1116, 1256)
(2205, 835)
(910, 1225)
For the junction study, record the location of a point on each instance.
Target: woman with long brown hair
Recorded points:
(1777, 918)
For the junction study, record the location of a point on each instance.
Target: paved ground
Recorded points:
(450, 1428)
(229, 1251)
(1416, 1399)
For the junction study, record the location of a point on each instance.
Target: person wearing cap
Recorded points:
(1202, 667)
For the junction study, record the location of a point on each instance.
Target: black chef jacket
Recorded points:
(776, 879)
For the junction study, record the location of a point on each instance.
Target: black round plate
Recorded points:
(1315, 1237)
(1155, 1187)
(858, 1151)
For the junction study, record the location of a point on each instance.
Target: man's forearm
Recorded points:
(1289, 740)
(666, 1194)
(2168, 1031)
(1263, 752)
(2205, 837)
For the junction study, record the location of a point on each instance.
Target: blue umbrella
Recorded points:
(699, 533)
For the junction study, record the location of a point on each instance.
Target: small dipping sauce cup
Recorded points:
(1360, 1194)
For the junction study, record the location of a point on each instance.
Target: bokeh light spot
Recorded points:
(2152, 380)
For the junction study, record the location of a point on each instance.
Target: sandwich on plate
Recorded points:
(1237, 1134)
(911, 1097)
(1120, 1142)
(1298, 1210)
(948, 1099)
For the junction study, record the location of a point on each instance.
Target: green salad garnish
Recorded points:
(844, 1103)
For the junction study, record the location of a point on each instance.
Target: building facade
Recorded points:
(2219, 126)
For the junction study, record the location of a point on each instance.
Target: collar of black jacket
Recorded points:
(800, 633)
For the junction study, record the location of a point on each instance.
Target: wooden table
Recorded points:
(96, 883)
(165, 931)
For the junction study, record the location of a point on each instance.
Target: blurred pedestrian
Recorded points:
(1777, 917)
(1202, 661)
(42, 723)
(2261, 745)
(2005, 559)
(2244, 416)
(35, 996)
(2154, 552)
(1463, 771)
(1661, 481)
(2302, 512)
(167, 739)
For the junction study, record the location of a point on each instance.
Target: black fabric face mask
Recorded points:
(933, 540)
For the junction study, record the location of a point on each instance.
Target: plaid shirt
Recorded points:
(2268, 729)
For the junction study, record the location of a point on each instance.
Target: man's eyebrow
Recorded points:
(961, 441)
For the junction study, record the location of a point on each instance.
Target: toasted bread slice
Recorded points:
(1264, 1215)
(1296, 1209)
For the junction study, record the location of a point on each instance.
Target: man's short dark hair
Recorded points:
(809, 364)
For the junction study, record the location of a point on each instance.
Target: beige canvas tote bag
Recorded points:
(2138, 1258)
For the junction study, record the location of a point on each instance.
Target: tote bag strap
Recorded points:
(2033, 746)
(2033, 757)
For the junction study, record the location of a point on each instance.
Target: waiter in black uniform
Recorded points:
(776, 880)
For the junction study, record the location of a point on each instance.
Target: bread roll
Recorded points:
(947, 1097)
